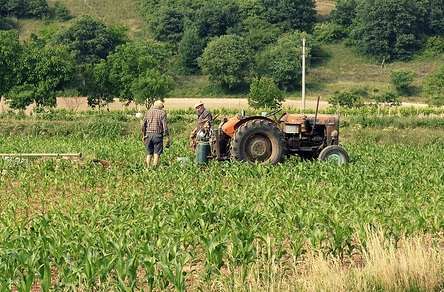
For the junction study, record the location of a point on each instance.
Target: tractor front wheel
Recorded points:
(334, 153)
(258, 141)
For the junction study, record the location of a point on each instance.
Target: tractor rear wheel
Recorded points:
(334, 153)
(258, 141)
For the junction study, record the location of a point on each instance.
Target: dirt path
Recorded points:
(81, 104)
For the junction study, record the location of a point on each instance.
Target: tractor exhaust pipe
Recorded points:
(316, 113)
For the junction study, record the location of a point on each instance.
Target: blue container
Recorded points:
(202, 152)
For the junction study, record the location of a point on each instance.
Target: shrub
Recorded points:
(227, 61)
(328, 32)
(345, 99)
(434, 87)
(434, 46)
(390, 98)
(402, 81)
(60, 12)
(264, 93)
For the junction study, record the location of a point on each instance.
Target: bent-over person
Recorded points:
(154, 130)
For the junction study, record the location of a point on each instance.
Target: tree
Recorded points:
(90, 40)
(389, 29)
(10, 51)
(259, 33)
(227, 60)
(282, 61)
(60, 12)
(37, 8)
(168, 24)
(264, 93)
(216, 17)
(42, 70)
(136, 71)
(190, 49)
(344, 12)
(434, 87)
(291, 14)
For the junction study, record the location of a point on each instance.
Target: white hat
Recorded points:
(158, 104)
(198, 104)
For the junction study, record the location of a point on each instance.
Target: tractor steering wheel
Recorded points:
(273, 113)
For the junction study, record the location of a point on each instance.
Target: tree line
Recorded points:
(241, 45)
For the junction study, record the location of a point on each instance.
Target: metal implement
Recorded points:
(42, 155)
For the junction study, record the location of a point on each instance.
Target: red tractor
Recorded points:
(268, 140)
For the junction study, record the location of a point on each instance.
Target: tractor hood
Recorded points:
(300, 118)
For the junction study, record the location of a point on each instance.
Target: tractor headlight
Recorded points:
(334, 134)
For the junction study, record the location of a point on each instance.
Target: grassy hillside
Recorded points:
(113, 12)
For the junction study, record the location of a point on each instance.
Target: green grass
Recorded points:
(69, 225)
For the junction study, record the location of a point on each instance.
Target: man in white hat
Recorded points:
(154, 130)
(204, 121)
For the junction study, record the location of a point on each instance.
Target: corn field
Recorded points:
(68, 225)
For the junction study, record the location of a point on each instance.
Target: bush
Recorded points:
(434, 46)
(37, 8)
(264, 93)
(328, 32)
(402, 81)
(282, 61)
(434, 87)
(227, 61)
(389, 98)
(346, 99)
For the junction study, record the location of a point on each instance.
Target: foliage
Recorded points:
(24, 8)
(190, 49)
(227, 61)
(259, 33)
(90, 40)
(402, 81)
(388, 97)
(282, 61)
(264, 93)
(10, 50)
(129, 69)
(434, 46)
(291, 14)
(216, 18)
(389, 29)
(42, 70)
(328, 32)
(60, 12)
(348, 99)
(434, 87)
(344, 12)
(168, 24)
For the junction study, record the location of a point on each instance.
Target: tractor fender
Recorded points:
(233, 124)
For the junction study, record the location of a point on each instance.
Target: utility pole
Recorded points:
(303, 76)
